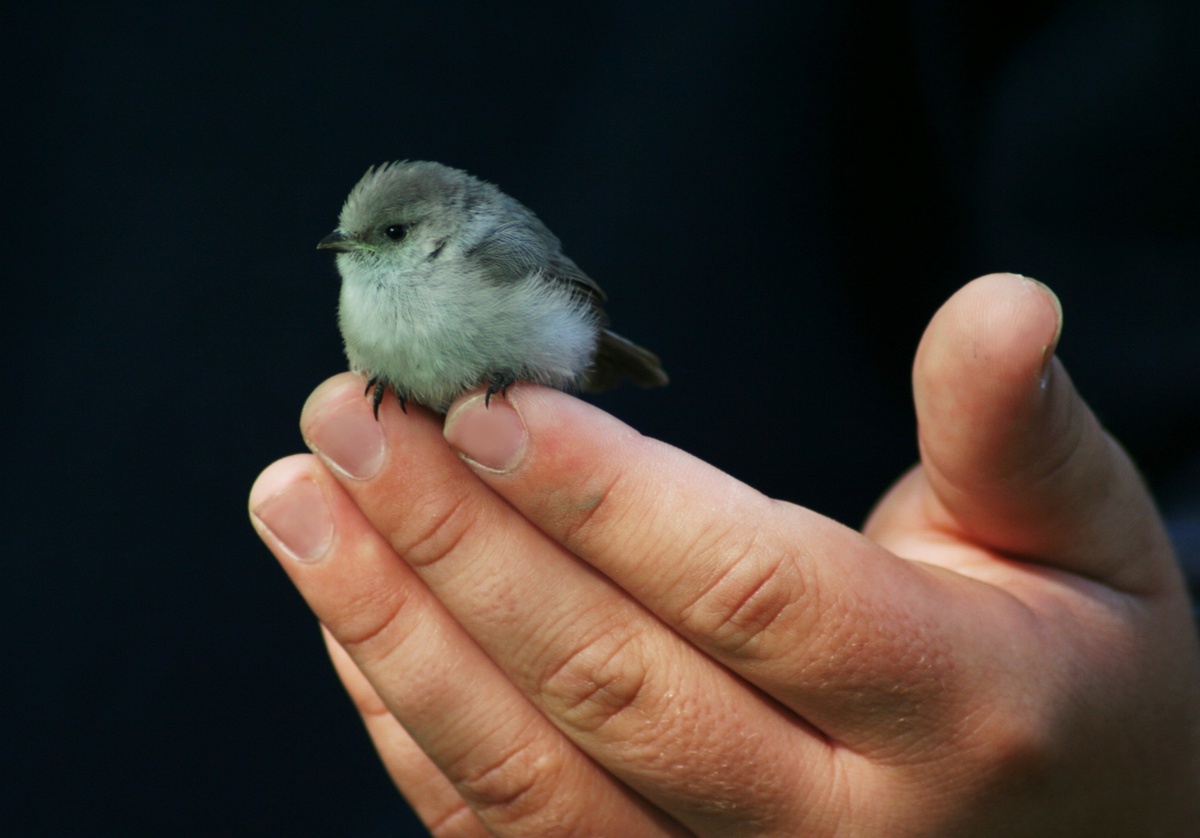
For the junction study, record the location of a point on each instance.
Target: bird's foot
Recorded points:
(380, 388)
(498, 383)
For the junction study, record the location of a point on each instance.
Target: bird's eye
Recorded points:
(396, 232)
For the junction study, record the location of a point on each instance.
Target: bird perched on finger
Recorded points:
(449, 284)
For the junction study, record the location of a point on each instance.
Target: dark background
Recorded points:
(776, 195)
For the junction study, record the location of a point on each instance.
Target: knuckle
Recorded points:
(595, 494)
(366, 618)
(759, 589)
(429, 533)
(585, 510)
(519, 788)
(506, 783)
(459, 821)
(600, 680)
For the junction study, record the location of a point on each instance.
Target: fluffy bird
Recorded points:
(450, 284)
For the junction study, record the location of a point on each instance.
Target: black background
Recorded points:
(775, 195)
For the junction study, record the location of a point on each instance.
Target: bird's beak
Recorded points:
(339, 242)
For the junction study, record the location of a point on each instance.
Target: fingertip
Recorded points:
(276, 477)
(499, 435)
(330, 392)
(290, 512)
(340, 428)
(983, 367)
(998, 332)
(487, 432)
(1056, 305)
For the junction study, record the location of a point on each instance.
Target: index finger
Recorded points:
(810, 611)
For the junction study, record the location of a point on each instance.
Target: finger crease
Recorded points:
(505, 783)
(394, 605)
(584, 515)
(435, 543)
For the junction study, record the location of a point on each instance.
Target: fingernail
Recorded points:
(299, 518)
(348, 438)
(1049, 349)
(491, 436)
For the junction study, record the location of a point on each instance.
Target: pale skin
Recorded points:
(553, 625)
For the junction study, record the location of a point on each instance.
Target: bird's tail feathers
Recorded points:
(617, 358)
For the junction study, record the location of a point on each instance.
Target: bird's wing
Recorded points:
(513, 251)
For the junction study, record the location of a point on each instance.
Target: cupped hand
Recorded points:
(553, 625)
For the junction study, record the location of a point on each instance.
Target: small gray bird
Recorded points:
(448, 284)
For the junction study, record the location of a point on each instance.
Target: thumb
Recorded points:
(1015, 459)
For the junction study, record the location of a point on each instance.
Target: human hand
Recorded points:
(574, 629)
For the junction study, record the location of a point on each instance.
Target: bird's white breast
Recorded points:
(439, 329)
